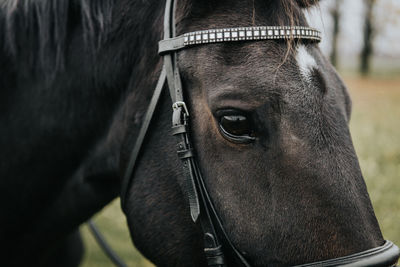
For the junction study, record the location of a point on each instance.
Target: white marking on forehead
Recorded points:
(306, 62)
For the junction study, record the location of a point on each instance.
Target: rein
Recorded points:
(202, 209)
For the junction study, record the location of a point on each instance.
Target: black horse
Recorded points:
(76, 78)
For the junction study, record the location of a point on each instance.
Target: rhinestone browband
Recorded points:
(238, 34)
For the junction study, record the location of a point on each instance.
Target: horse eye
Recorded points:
(236, 128)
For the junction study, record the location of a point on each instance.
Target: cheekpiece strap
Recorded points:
(185, 152)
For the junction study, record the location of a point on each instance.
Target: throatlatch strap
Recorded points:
(142, 133)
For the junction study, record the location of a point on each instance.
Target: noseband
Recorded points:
(201, 206)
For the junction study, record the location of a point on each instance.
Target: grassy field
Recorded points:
(375, 127)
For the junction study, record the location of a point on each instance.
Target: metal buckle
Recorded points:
(179, 104)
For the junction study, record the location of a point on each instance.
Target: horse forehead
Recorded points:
(252, 58)
(252, 71)
(255, 71)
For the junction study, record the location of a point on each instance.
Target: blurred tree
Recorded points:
(367, 49)
(335, 13)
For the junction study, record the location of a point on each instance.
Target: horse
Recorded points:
(268, 123)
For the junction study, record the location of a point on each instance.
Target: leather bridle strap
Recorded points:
(180, 113)
(139, 140)
(180, 129)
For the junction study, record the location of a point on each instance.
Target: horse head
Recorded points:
(269, 125)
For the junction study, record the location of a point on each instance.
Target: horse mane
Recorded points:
(36, 32)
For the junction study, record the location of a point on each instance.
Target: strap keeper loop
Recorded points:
(215, 256)
(185, 153)
(179, 129)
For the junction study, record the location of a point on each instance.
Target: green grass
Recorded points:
(375, 127)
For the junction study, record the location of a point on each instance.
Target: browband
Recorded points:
(238, 34)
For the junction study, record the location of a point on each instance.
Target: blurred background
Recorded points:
(362, 39)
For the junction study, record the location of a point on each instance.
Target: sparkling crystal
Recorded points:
(249, 33)
(219, 35)
(241, 34)
(234, 34)
(227, 34)
(212, 35)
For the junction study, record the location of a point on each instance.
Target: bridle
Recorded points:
(201, 206)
